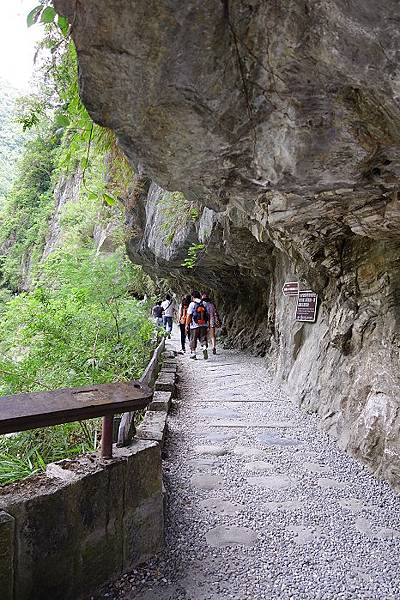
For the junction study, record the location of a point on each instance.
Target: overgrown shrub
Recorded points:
(80, 326)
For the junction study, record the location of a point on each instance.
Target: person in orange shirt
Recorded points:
(182, 316)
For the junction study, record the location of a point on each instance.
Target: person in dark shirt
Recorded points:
(157, 313)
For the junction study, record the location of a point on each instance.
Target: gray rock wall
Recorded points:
(345, 366)
(66, 191)
(281, 121)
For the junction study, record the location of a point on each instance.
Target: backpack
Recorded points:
(200, 314)
(157, 312)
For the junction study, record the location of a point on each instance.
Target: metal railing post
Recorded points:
(107, 436)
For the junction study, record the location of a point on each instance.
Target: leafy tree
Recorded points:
(25, 214)
(80, 326)
(71, 317)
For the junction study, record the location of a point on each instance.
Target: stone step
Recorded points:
(170, 364)
(153, 427)
(161, 401)
(165, 383)
(167, 370)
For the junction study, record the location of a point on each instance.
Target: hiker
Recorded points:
(214, 320)
(197, 325)
(168, 313)
(157, 312)
(183, 308)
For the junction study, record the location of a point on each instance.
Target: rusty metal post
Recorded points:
(107, 436)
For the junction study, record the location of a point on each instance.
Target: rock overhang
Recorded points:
(282, 120)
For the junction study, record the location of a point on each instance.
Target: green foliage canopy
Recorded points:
(70, 316)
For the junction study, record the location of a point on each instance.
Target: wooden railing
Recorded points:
(19, 412)
(126, 428)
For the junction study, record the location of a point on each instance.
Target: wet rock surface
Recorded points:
(239, 540)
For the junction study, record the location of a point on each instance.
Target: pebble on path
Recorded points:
(271, 482)
(230, 536)
(223, 507)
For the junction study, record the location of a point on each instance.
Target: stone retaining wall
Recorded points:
(83, 522)
(87, 520)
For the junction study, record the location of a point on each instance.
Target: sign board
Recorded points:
(290, 288)
(306, 308)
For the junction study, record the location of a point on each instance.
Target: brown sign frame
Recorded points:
(314, 308)
(295, 292)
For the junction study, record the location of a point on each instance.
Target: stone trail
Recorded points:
(260, 503)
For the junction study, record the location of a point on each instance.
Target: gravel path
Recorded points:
(261, 504)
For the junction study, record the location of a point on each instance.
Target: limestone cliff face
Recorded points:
(280, 121)
(66, 191)
(56, 231)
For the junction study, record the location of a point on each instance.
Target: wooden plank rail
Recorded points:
(127, 426)
(30, 410)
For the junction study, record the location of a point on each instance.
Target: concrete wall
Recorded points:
(85, 521)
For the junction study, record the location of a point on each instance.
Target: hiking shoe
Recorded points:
(193, 356)
(205, 354)
(214, 351)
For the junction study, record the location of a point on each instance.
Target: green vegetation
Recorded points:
(178, 213)
(86, 328)
(192, 256)
(80, 326)
(11, 139)
(25, 214)
(72, 315)
(29, 452)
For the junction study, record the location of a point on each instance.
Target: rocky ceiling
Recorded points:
(279, 121)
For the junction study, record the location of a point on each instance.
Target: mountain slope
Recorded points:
(11, 138)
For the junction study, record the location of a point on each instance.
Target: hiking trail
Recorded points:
(260, 503)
